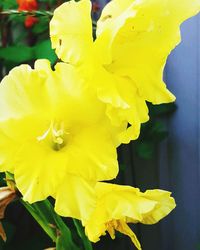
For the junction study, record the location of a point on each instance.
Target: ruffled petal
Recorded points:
(123, 201)
(117, 205)
(165, 204)
(124, 104)
(71, 31)
(19, 96)
(141, 35)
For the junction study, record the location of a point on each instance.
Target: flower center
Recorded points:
(58, 139)
(55, 136)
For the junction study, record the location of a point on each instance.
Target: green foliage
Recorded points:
(43, 50)
(154, 131)
(25, 54)
(145, 149)
(22, 232)
(41, 26)
(16, 54)
(8, 4)
(162, 109)
(80, 230)
(52, 224)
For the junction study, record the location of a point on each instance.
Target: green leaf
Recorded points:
(47, 1)
(41, 26)
(8, 4)
(80, 230)
(52, 224)
(162, 109)
(158, 131)
(43, 50)
(17, 18)
(59, 243)
(122, 167)
(22, 54)
(43, 219)
(145, 149)
(17, 54)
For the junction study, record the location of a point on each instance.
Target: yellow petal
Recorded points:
(123, 201)
(125, 229)
(75, 198)
(97, 156)
(15, 132)
(124, 104)
(49, 128)
(145, 33)
(68, 88)
(38, 170)
(113, 17)
(19, 96)
(107, 89)
(117, 204)
(71, 31)
(165, 204)
(39, 167)
(118, 116)
(93, 138)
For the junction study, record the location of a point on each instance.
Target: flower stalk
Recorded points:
(87, 244)
(34, 13)
(52, 224)
(43, 212)
(25, 12)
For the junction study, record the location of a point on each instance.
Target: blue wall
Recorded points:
(180, 156)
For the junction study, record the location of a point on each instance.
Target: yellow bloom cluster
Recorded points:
(60, 128)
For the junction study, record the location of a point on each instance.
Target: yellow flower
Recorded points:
(116, 206)
(55, 137)
(137, 37)
(125, 63)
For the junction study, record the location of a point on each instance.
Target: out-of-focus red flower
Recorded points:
(30, 21)
(28, 5)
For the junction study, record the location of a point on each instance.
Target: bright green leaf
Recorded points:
(43, 50)
(16, 54)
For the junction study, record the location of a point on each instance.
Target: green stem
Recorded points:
(87, 244)
(42, 221)
(43, 212)
(52, 224)
(24, 12)
(34, 13)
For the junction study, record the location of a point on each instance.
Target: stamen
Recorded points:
(42, 137)
(55, 137)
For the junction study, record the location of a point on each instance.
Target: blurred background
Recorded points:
(167, 154)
